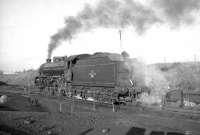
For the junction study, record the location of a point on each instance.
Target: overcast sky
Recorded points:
(26, 27)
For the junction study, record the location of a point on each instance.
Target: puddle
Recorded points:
(136, 131)
(7, 108)
(157, 133)
(141, 131)
(86, 132)
(174, 133)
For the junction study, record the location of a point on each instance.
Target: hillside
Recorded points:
(185, 76)
(25, 78)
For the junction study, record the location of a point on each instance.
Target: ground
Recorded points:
(53, 116)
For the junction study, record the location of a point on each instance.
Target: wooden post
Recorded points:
(94, 104)
(113, 105)
(72, 105)
(49, 91)
(60, 107)
(163, 101)
(25, 91)
(182, 100)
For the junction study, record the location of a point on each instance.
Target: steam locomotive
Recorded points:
(102, 77)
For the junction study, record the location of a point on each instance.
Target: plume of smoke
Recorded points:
(72, 26)
(178, 11)
(108, 14)
(124, 13)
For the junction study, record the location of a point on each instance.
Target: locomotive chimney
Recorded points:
(48, 60)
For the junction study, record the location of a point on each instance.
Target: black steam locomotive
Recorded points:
(101, 77)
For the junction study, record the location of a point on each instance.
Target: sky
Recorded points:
(27, 28)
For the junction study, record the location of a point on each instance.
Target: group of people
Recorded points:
(55, 85)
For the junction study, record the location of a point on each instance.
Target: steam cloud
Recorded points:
(156, 81)
(124, 13)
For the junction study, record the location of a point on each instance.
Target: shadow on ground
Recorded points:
(4, 129)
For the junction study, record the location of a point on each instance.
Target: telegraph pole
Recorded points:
(120, 38)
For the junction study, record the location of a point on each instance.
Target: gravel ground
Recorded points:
(19, 117)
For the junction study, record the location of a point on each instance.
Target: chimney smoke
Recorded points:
(123, 13)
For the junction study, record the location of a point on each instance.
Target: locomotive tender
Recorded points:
(102, 77)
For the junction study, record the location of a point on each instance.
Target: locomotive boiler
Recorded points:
(102, 77)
